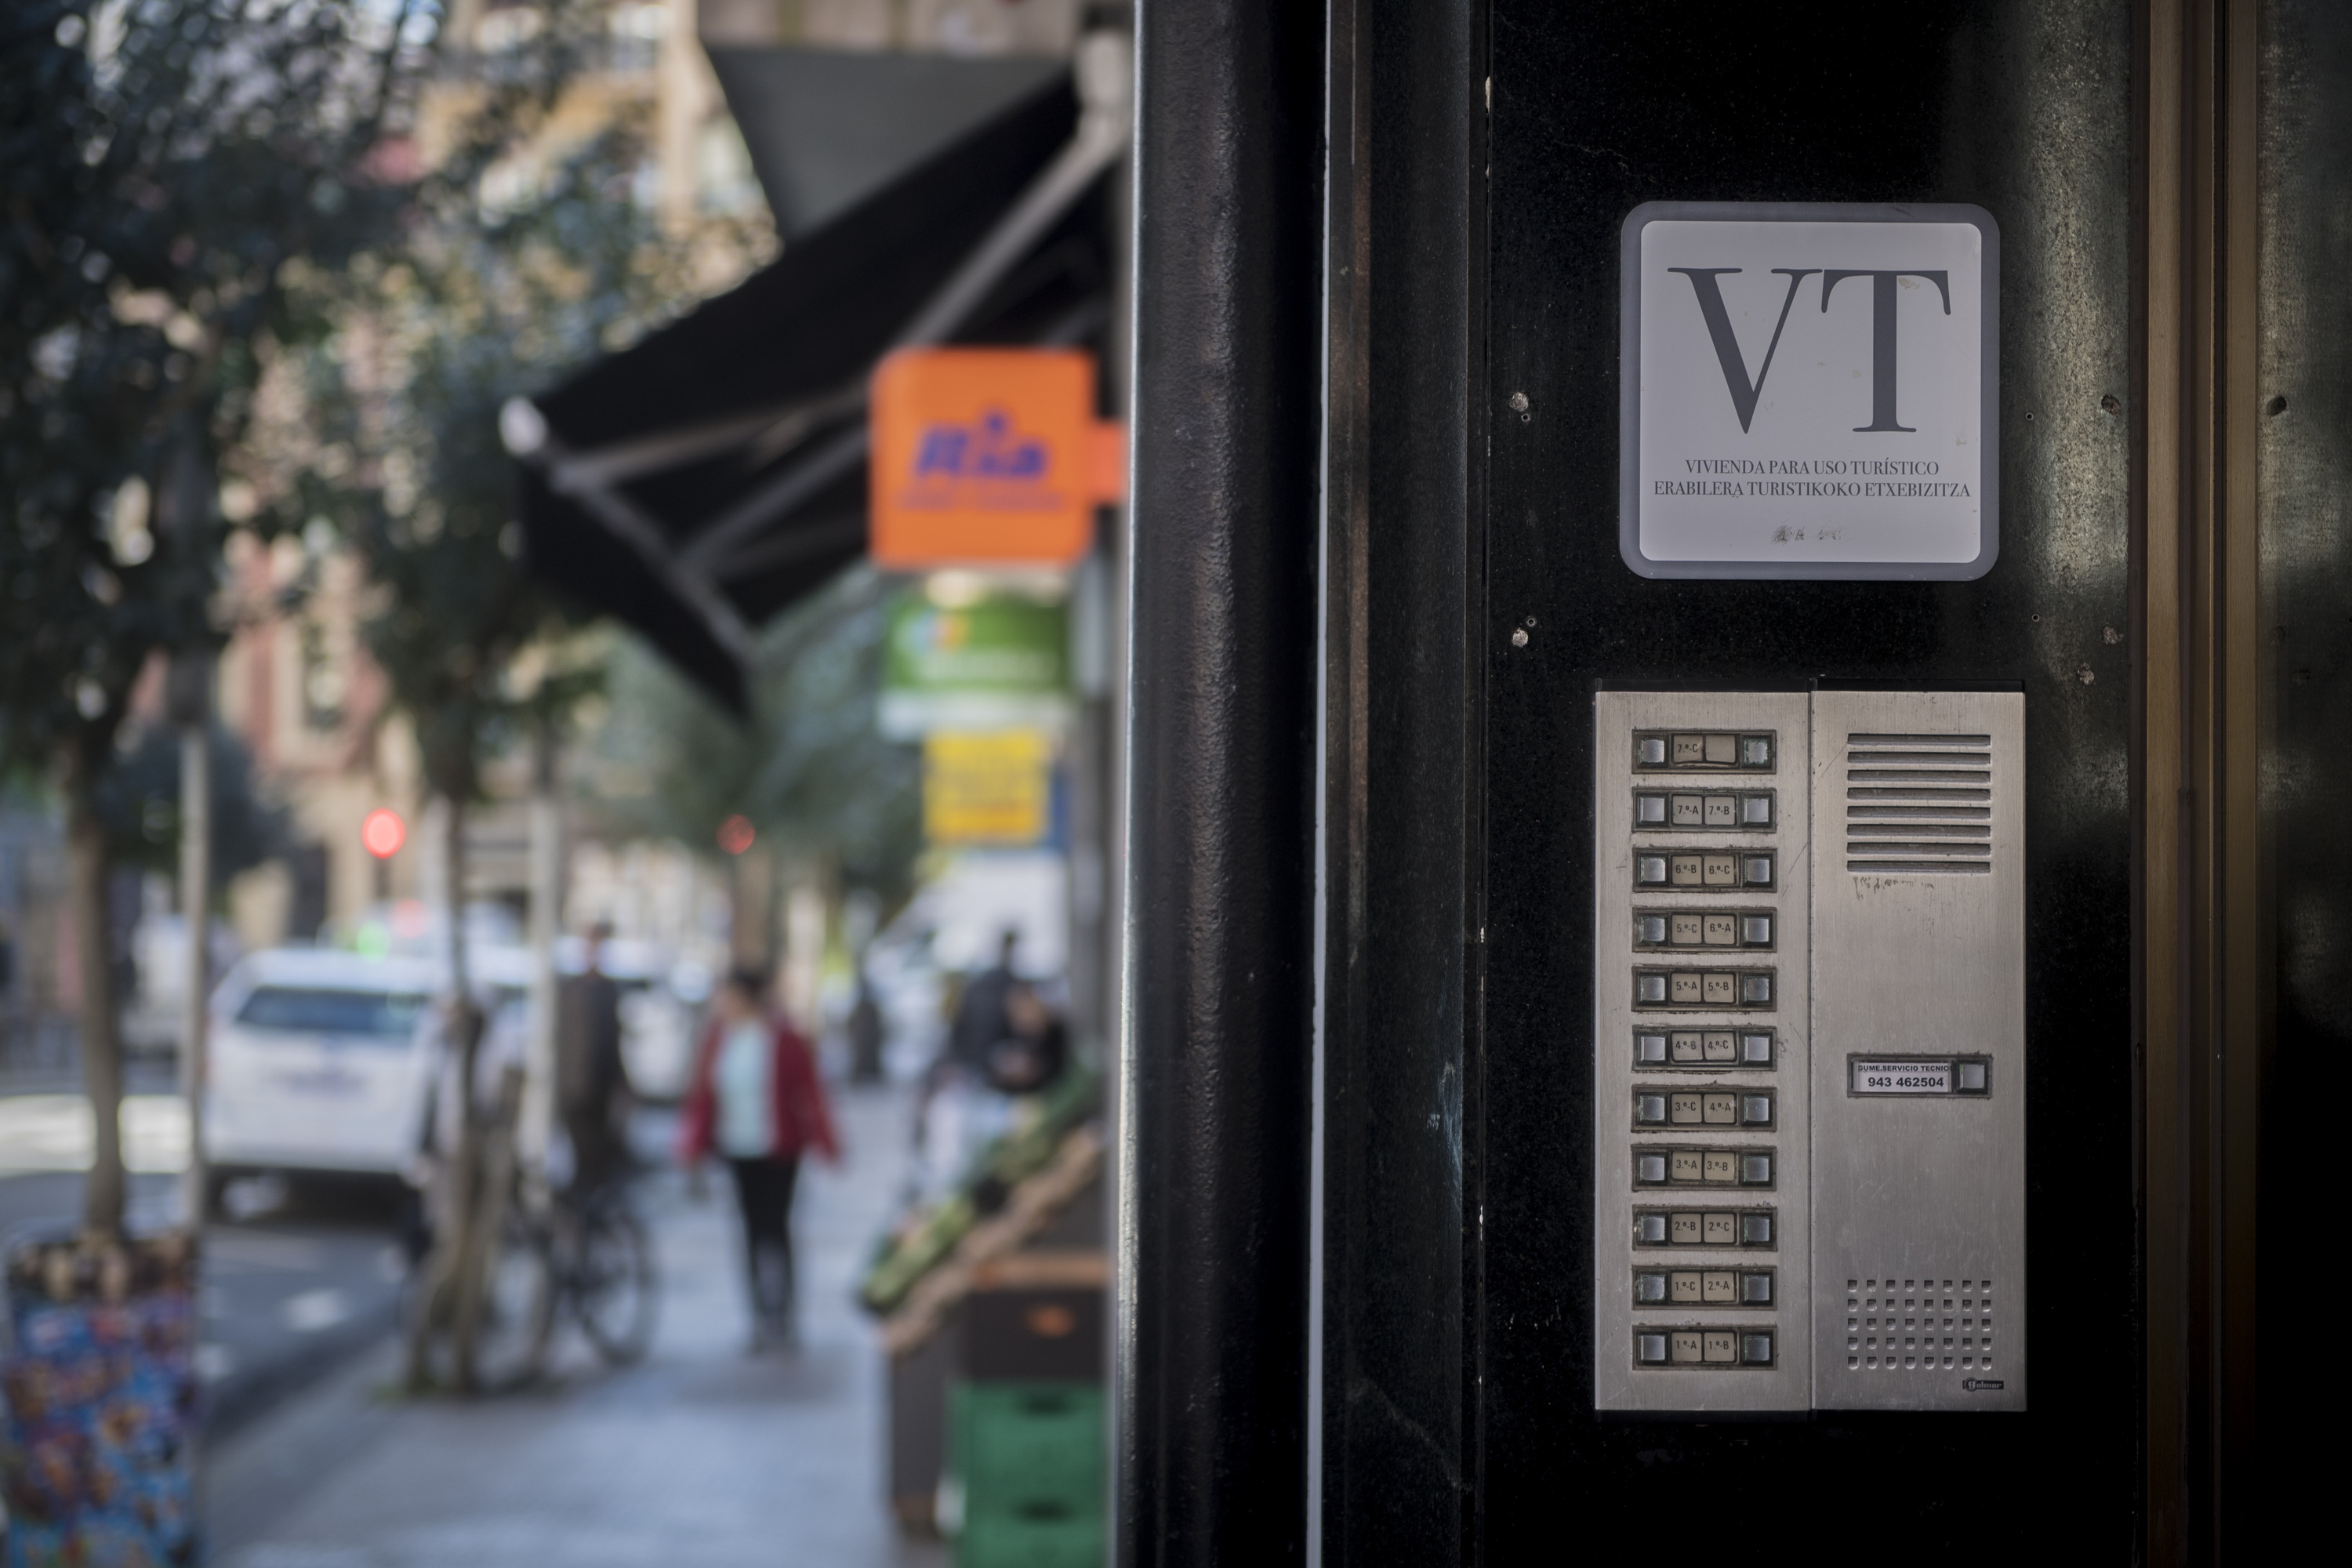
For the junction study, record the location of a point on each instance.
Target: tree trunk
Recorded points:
(455, 1272)
(101, 1046)
(195, 908)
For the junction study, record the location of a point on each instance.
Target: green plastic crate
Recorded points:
(1072, 1541)
(1019, 1445)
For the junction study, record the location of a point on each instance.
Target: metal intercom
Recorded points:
(1809, 1063)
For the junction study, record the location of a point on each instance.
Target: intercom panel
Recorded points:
(1809, 1015)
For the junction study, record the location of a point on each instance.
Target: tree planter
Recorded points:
(97, 1441)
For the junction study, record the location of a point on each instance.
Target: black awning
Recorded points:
(698, 482)
(827, 128)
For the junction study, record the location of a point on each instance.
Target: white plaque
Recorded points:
(1809, 391)
(1901, 1078)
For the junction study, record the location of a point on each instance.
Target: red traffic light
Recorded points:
(735, 835)
(382, 833)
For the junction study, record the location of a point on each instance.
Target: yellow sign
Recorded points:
(991, 788)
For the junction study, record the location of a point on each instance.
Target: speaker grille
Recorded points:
(1919, 804)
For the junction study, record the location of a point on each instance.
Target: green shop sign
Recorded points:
(1003, 663)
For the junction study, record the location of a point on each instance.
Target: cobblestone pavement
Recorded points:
(703, 1454)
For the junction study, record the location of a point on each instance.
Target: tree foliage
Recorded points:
(137, 801)
(162, 163)
(166, 168)
(809, 767)
(526, 256)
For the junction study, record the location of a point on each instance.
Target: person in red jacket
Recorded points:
(756, 1102)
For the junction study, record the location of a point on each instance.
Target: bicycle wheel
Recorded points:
(518, 1311)
(612, 1289)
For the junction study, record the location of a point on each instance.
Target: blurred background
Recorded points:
(512, 739)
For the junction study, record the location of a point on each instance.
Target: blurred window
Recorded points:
(386, 1015)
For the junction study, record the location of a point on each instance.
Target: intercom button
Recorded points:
(1719, 1109)
(1719, 870)
(1650, 751)
(1684, 1230)
(1756, 1290)
(1689, 989)
(1968, 1078)
(1649, 811)
(1756, 1109)
(1650, 988)
(1649, 1288)
(1757, 869)
(1683, 1288)
(1650, 870)
(1722, 811)
(1686, 1347)
(1756, 750)
(1649, 1230)
(1756, 811)
(1756, 989)
(1685, 810)
(1718, 1045)
(1755, 931)
(1684, 871)
(1718, 931)
(1686, 1165)
(1755, 1230)
(1650, 1108)
(1755, 1350)
(1715, 1287)
(1756, 1050)
(1650, 929)
(1714, 990)
(1718, 1167)
(1649, 1051)
(1720, 1346)
(1722, 1229)
(1689, 751)
(1756, 1170)
(1650, 1349)
(1686, 1046)
(1650, 1169)
(1685, 930)
(1684, 1110)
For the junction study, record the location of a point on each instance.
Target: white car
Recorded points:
(320, 1060)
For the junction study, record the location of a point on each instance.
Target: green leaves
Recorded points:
(159, 166)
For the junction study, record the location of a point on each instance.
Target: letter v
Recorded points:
(1726, 346)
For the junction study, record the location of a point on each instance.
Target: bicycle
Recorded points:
(582, 1257)
(601, 1262)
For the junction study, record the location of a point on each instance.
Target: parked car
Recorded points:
(319, 1060)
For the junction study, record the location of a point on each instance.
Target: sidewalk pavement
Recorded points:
(703, 1454)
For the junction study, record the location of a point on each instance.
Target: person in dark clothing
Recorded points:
(868, 1032)
(755, 1099)
(592, 1079)
(983, 1015)
(1035, 1049)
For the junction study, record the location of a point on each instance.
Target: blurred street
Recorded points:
(703, 1454)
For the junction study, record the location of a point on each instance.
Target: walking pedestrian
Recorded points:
(756, 1101)
(592, 1078)
(982, 1016)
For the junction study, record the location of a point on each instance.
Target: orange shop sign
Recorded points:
(988, 457)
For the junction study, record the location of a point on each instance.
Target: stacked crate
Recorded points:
(1026, 1439)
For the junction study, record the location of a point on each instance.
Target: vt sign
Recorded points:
(1809, 391)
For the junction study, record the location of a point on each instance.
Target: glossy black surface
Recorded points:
(1217, 1059)
(2305, 442)
(2024, 109)
(1399, 988)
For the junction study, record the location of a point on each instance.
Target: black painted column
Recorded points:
(1216, 1056)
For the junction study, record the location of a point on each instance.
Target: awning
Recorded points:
(698, 482)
